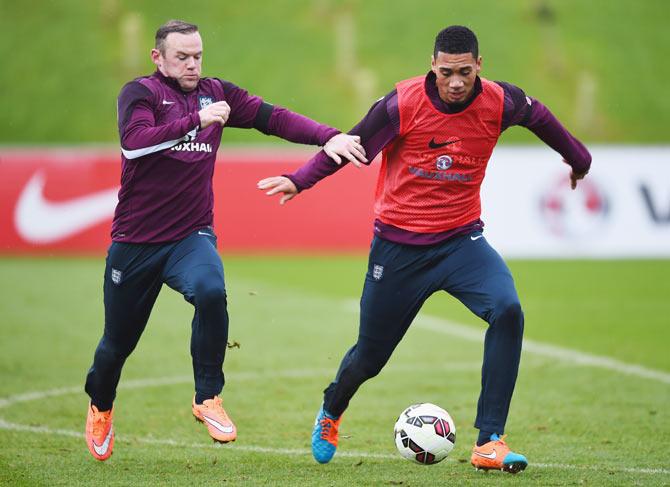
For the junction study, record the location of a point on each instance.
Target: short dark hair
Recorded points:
(456, 39)
(169, 27)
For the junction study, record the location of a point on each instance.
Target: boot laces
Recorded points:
(328, 430)
(501, 440)
(216, 405)
(100, 420)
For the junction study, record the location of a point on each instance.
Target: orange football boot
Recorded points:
(99, 432)
(212, 414)
(496, 455)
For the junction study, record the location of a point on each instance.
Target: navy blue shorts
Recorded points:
(399, 279)
(134, 275)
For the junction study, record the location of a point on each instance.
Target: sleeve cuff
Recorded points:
(294, 181)
(328, 134)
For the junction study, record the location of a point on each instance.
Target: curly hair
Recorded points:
(456, 39)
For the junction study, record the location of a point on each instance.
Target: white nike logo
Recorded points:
(217, 425)
(167, 102)
(491, 455)
(41, 221)
(473, 238)
(200, 232)
(102, 449)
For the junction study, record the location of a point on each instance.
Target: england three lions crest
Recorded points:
(377, 272)
(205, 101)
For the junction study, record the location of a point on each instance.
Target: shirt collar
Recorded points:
(168, 81)
(441, 105)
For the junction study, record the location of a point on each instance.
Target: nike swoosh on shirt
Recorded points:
(102, 449)
(490, 456)
(435, 145)
(473, 238)
(168, 102)
(41, 221)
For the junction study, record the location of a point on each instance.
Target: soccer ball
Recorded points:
(425, 433)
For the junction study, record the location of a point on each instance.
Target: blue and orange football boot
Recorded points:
(99, 432)
(496, 455)
(324, 436)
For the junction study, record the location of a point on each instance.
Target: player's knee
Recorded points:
(508, 311)
(210, 292)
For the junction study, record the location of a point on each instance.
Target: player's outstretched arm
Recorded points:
(362, 144)
(279, 184)
(345, 146)
(528, 112)
(546, 126)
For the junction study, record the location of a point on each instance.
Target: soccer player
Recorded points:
(170, 126)
(436, 133)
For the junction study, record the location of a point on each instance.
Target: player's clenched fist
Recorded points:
(215, 113)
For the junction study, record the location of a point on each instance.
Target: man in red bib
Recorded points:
(436, 134)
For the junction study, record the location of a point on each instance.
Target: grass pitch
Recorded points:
(591, 408)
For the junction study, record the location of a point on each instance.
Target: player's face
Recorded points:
(456, 74)
(181, 59)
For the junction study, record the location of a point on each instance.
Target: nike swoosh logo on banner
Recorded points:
(473, 238)
(102, 449)
(41, 221)
(490, 456)
(434, 145)
(219, 426)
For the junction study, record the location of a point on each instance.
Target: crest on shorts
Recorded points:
(116, 276)
(377, 272)
(205, 101)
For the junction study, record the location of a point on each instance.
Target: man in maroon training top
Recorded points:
(170, 126)
(437, 133)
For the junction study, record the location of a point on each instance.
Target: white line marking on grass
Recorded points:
(564, 354)
(5, 425)
(546, 350)
(601, 468)
(6, 402)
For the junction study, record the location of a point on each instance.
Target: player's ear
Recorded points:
(432, 63)
(156, 56)
(479, 64)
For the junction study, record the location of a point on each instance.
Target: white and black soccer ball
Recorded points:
(425, 433)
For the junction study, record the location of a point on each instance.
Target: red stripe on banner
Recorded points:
(61, 201)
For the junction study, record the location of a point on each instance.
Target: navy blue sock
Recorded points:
(200, 397)
(484, 437)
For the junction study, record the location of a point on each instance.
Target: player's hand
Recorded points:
(574, 176)
(279, 184)
(215, 113)
(348, 147)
